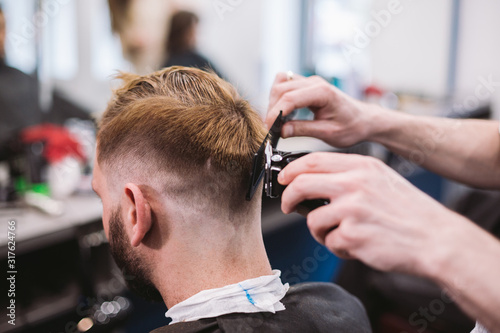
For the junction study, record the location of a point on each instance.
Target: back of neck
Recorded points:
(186, 268)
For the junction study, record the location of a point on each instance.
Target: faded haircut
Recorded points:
(186, 122)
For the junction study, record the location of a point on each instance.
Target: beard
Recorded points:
(134, 270)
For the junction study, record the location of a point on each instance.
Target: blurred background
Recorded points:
(58, 58)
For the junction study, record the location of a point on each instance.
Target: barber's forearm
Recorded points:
(467, 266)
(464, 150)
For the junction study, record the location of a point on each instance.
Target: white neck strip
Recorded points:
(262, 294)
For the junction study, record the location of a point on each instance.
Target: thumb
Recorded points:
(315, 128)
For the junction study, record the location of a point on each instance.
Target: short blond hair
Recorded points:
(185, 121)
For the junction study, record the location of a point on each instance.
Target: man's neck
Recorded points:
(213, 264)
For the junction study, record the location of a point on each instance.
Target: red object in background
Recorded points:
(373, 90)
(58, 142)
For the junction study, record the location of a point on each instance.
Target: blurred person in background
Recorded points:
(19, 106)
(182, 41)
(143, 27)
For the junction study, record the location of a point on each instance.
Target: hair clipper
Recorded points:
(267, 164)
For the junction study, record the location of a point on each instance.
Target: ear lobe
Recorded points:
(138, 212)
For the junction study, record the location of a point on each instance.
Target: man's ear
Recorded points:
(138, 213)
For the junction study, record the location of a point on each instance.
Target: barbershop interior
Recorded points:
(58, 68)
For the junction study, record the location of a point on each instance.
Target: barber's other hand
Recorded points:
(380, 218)
(339, 120)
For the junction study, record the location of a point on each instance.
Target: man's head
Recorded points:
(174, 151)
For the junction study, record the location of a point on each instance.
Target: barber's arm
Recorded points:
(465, 150)
(378, 217)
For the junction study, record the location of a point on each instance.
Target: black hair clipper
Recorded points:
(267, 164)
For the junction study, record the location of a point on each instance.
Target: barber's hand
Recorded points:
(339, 120)
(380, 218)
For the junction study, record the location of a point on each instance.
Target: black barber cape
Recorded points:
(310, 307)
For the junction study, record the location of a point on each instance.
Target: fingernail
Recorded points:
(287, 131)
(281, 176)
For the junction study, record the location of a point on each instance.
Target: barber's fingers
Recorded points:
(309, 96)
(313, 186)
(326, 225)
(338, 241)
(320, 129)
(284, 77)
(322, 162)
(280, 88)
(321, 221)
